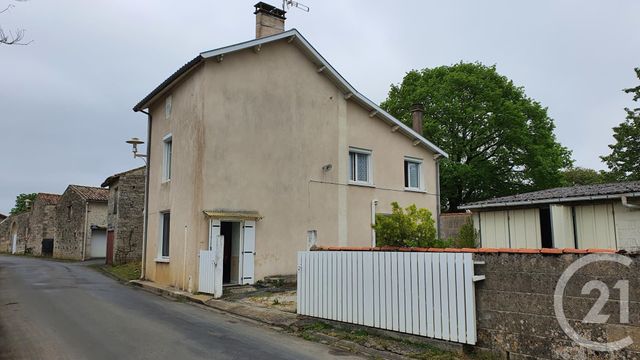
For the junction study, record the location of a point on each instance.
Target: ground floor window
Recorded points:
(164, 234)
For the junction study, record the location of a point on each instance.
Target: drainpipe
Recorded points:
(146, 199)
(626, 204)
(86, 226)
(374, 203)
(437, 157)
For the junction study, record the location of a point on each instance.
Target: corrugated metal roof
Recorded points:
(565, 194)
(91, 193)
(233, 214)
(297, 39)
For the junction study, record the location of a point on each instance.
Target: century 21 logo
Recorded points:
(594, 315)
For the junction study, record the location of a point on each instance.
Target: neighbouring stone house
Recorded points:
(81, 231)
(14, 232)
(32, 230)
(125, 219)
(42, 224)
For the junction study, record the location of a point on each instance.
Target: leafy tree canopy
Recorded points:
(624, 160)
(21, 205)
(583, 176)
(499, 141)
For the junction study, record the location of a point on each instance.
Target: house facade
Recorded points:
(603, 216)
(81, 216)
(125, 219)
(263, 146)
(31, 232)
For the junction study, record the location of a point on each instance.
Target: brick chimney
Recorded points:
(269, 20)
(417, 111)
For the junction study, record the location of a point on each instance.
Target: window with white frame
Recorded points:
(168, 149)
(165, 229)
(360, 166)
(413, 174)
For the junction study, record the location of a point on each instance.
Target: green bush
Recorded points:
(467, 237)
(409, 227)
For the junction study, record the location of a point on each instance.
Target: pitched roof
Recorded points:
(562, 194)
(108, 181)
(48, 199)
(91, 193)
(294, 37)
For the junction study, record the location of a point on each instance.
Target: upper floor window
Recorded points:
(167, 107)
(413, 174)
(360, 166)
(166, 164)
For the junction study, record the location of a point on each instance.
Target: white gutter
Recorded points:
(550, 201)
(86, 226)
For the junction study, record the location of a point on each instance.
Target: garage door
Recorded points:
(98, 243)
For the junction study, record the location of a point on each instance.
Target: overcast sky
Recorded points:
(66, 99)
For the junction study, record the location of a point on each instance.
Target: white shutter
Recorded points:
(248, 251)
(214, 232)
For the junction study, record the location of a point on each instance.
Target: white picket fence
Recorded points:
(427, 294)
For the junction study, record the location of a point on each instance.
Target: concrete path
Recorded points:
(57, 310)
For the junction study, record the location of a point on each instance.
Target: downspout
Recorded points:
(437, 157)
(626, 204)
(86, 226)
(374, 203)
(146, 199)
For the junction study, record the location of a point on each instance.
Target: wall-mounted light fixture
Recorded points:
(134, 144)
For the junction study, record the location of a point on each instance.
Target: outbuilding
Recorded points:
(581, 217)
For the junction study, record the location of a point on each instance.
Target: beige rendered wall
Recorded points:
(253, 133)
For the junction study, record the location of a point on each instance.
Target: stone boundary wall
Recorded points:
(515, 302)
(451, 223)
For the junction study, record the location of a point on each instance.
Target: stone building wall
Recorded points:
(126, 215)
(71, 226)
(515, 306)
(42, 225)
(451, 223)
(20, 223)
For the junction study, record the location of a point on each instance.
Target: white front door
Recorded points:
(248, 251)
(211, 262)
(14, 243)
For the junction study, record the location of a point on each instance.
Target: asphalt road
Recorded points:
(57, 310)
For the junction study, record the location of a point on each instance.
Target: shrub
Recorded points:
(409, 227)
(467, 237)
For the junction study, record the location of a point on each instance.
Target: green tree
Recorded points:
(499, 141)
(582, 176)
(411, 227)
(21, 203)
(624, 160)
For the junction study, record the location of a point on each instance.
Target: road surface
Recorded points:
(58, 310)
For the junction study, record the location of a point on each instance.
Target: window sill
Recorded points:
(162, 260)
(416, 190)
(168, 181)
(363, 184)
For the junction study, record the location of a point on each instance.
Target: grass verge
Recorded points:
(124, 272)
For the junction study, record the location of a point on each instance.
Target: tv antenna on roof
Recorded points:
(287, 4)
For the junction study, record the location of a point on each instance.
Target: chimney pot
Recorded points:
(269, 19)
(417, 111)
